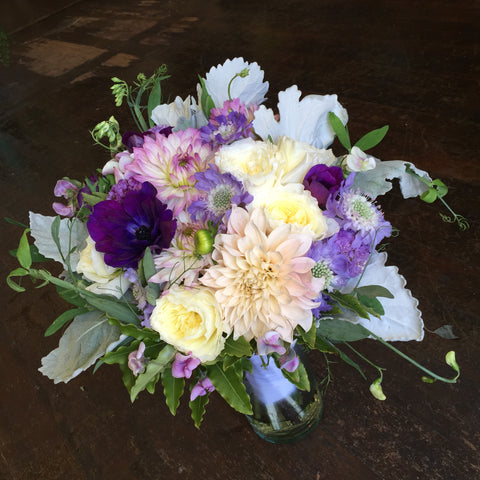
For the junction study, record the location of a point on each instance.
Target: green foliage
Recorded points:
(135, 331)
(206, 101)
(299, 377)
(309, 338)
(109, 129)
(340, 130)
(64, 318)
(197, 408)
(372, 138)
(237, 348)
(341, 330)
(134, 93)
(350, 302)
(229, 384)
(173, 389)
(150, 376)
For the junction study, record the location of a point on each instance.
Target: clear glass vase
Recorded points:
(282, 413)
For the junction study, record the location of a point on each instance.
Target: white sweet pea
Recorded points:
(106, 280)
(250, 89)
(359, 161)
(116, 166)
(304, 120)
(180, 113)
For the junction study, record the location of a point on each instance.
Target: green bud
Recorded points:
(450, 359)
(244, 73)
(203, 242)
(376, 390)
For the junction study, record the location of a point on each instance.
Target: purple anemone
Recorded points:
(123, 230)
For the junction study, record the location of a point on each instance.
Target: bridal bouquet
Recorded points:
(222, 229)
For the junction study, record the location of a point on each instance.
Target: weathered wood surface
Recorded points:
(412, 65)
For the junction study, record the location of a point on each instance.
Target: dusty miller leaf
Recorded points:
(87, 338)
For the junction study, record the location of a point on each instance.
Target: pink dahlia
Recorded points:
(170, 163)
(262, 279)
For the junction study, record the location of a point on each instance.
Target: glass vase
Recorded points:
(282, 413)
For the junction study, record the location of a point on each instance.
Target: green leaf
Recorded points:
(429, 196)
(347, 359)
(120, 356)
(23, 252)
(122, 311)
(229, 384)
(14, 222)
(299, 377)
(62, 319)
(173, 389)
(440, 187)
(237, 348)
(18, 272)
(154, 368)
(340, 130)
(446, 331)
(154, 99)
(372, 305)
(372, 138)
(341, 330)
(374, 291)
(198, 408)
(206, 101)
(134, 331)
(148, 264)
(93, 199)
(55, 231)
(350, 302)
(71, 295)
(322, 345)
(308, 337)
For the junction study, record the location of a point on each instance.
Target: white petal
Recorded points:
(402, 320)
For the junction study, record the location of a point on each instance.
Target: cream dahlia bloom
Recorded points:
(262, 278)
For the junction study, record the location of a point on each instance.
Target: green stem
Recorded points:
(413, 362)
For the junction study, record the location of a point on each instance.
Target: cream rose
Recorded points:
(106, 280)
(249, 161)
(190, 320)
(261, 164)
(297, 158)
(293, 205)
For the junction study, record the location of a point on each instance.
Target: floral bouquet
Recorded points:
(222, 230)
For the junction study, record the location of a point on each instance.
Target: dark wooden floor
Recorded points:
(410, 64)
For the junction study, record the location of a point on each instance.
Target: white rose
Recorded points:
(297, 158)
(253, 163)
(294, 205)
(106, 280)
(190, 320)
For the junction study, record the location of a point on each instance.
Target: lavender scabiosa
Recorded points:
(356, 211)
(122, 230)
(225, 129)
(219, 191)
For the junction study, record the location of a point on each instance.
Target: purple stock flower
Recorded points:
(136, 140)
(123, 230)
(201, 388)
(136, 360)
(183, 365)
(120, 189)
(322, 181)
(219, 191)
